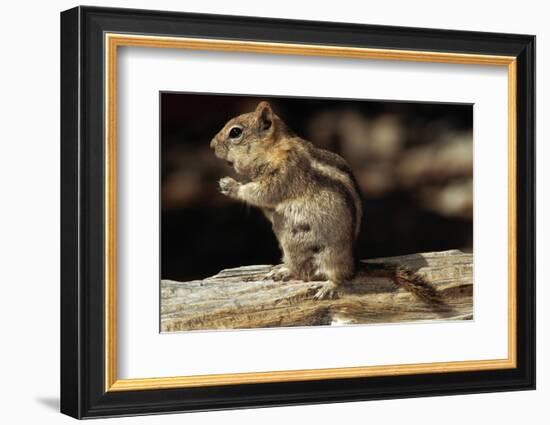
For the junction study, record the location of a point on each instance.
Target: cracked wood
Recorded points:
(241, 298)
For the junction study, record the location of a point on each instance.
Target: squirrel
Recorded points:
(309, 195)
(311, 198)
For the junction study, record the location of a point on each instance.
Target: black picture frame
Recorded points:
(83, 392)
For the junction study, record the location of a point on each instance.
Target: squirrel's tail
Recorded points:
(406, 279)
(415, 284)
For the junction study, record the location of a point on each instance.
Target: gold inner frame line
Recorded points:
(113, 41)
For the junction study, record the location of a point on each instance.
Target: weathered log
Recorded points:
(242, 297)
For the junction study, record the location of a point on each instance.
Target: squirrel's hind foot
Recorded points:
(327, 290)
(279, 273)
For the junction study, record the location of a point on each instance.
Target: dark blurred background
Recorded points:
(413, 162)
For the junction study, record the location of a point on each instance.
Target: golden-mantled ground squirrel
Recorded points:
(309, 195)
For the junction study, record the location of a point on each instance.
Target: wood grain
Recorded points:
(242, 297)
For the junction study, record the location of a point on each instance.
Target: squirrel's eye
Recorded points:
(235, 132)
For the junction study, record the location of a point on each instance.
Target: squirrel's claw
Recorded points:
(279, 273)
(228, 186)
(328, 290)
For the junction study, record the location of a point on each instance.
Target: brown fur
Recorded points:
(408, 280)
(309, 195)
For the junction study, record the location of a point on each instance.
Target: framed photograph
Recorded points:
(261, 212)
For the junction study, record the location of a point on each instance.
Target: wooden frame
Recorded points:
(89, 384)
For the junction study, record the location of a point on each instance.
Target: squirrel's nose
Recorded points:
(213, 143)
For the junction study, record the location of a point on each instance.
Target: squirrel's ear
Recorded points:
(264, 115)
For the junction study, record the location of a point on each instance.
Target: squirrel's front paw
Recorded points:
(229, 186)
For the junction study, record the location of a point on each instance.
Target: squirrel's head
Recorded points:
(245, 140)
